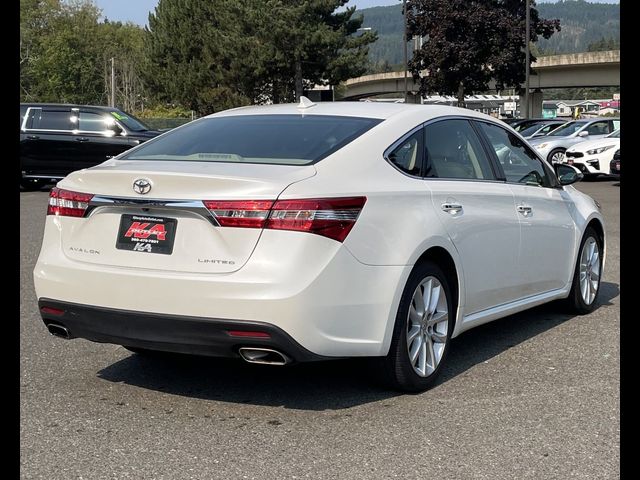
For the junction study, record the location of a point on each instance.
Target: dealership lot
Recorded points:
(535, 395)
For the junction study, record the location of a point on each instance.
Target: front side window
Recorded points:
(519, 163)
(453, 150)
(599, 128)
(297, 139)
(408, 155)
(94, 122)
(51, 119)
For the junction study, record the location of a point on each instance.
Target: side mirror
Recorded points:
(583, 133)
(115, 128)
(567, 174)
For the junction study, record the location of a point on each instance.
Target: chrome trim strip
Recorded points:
(192, 206)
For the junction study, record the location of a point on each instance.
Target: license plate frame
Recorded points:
(146, 234)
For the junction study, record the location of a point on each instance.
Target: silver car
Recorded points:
(553, 145)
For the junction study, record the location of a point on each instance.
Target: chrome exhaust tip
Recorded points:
(58, 331)
(264, 356)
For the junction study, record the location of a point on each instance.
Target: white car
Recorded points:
(290, 233)
(593, 157)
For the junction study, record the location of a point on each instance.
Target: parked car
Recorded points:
(554, 145)
(291, 233)
(593, 157)
(57, 139)
(614, 165)
(541, 128)
(520, 123)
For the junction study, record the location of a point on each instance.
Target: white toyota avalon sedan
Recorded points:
(292, 233)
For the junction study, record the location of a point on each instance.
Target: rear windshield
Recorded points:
(273, 139)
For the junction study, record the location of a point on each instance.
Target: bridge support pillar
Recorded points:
(535, 103)
(414, 97)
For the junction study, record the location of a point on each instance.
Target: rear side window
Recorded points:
(408, 155)
(51, 119)
(272, 139)
(454, 151)
(519, 163)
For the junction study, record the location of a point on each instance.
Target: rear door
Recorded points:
(47, 147)
(99, 138)
(477, 210)
(545, 261)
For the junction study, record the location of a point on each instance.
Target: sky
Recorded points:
(137, 11)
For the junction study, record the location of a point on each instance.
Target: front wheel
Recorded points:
(587, 274)
(422, 330)
(556, 156)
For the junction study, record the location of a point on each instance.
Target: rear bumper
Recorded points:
(168, 333)
(308, 286)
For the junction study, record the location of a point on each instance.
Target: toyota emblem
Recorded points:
(142, 186)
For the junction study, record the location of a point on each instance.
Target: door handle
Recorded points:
(33, 137)
(82, 139)
(452, 208)
(525, 210)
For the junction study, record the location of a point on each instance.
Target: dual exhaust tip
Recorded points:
(263, 356)
(59, 331)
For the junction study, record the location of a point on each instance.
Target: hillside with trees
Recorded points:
(584, 26)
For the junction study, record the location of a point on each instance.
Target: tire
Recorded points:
(399, 372)
(31, 185)
(578, 301)
(553, 152)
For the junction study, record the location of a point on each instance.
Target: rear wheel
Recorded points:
(586, 277)
(422, 331)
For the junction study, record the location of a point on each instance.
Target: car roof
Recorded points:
(379, 110)
(69, 105)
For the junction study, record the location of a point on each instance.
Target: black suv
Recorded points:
(56, 139)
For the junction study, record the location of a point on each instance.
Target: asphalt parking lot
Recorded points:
(535, 395)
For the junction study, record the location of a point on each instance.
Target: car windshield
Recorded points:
(567, 129)
(129, 121)
(531, 130)
(615, 134)
(273, 139)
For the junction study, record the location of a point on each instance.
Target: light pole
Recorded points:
(527, 59)
(406, 54)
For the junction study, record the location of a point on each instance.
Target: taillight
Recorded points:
(240, 213)
(329, 217)
(67, 203)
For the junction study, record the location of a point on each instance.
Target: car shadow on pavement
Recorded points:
(330, 385)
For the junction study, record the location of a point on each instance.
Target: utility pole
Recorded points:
(528, 59)
(406, 55)
(113, 84)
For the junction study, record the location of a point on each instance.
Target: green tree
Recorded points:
(213, 54)
(65, 51)
(468, 43)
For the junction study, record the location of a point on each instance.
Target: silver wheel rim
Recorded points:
(558, 157)
(589, 270)
(427, 326)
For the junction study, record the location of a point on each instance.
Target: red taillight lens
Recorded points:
(330, 217)
(67, 203)
(240, 213)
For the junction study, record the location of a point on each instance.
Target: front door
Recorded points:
(544, 211)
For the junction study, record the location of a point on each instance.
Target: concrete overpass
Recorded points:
(589, 69)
